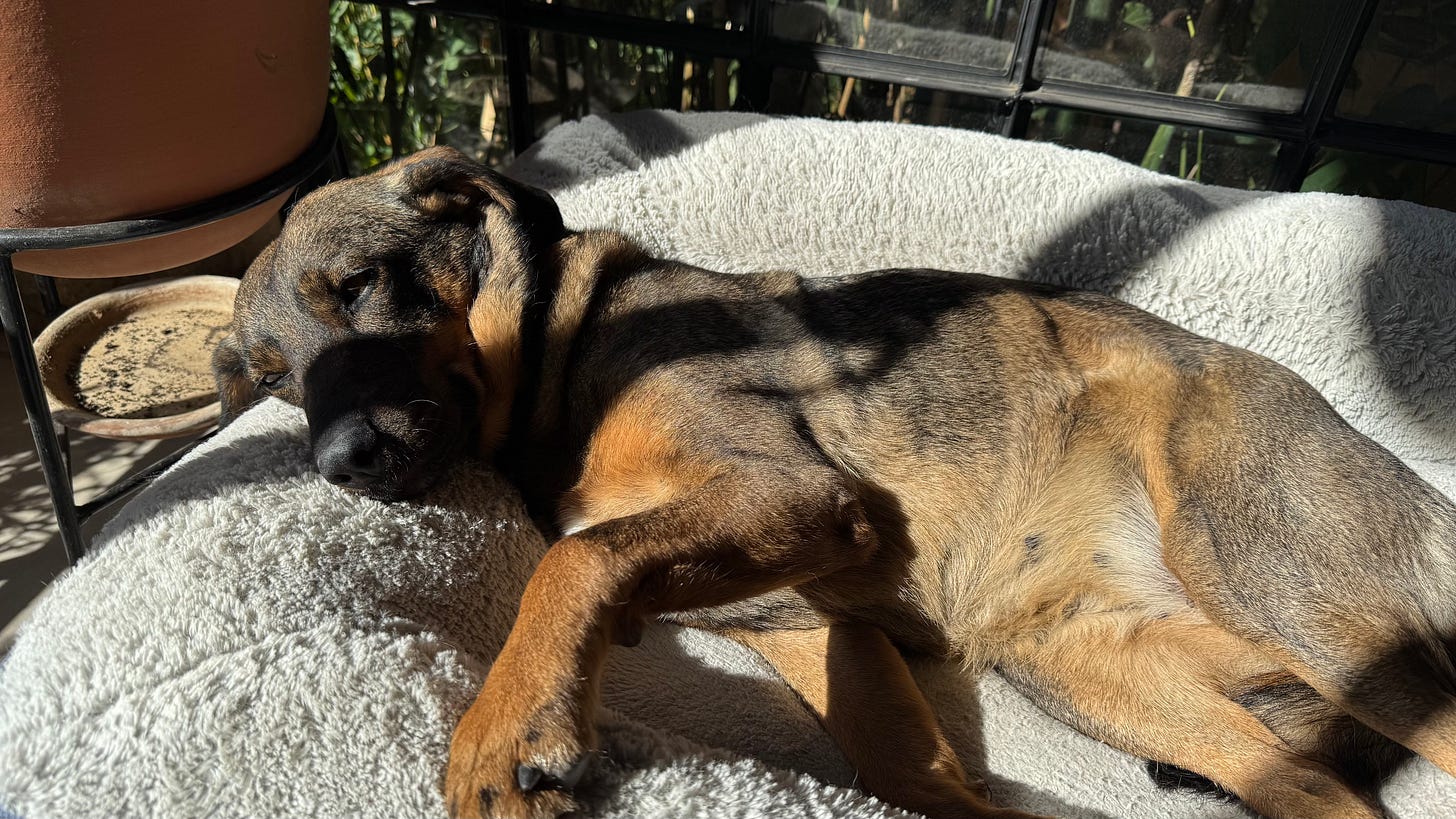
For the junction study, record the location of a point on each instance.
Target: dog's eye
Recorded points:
(356, 287)
(271, 381)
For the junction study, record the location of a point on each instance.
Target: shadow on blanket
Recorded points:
(1412, 317)
(652, 134)
(1407, 312)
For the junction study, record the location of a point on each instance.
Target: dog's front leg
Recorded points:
(855, 681)
(523, 744)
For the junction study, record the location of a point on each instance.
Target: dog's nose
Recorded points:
(347, 454)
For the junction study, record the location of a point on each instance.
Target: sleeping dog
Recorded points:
(1174, 545)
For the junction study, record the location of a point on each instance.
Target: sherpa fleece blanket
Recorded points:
(246, 640)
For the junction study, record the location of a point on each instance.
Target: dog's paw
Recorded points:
(502, 768)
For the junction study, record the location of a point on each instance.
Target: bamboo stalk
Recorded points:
(844, 95)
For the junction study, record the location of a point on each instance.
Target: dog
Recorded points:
(1174, 545)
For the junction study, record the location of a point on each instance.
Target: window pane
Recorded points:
(1405, 71)
(719, 13)
(1199, 154)
(573, 77)
(1383, 177)
(828, 95)
(1253, 52)
(449, 85)
(456, 93)
(965, 32)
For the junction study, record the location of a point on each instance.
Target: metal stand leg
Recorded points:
(37, 410)
(50, 301)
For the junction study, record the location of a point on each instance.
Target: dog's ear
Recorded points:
(443, 183)
(234, 389)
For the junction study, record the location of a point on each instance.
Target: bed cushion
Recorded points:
(247, 640)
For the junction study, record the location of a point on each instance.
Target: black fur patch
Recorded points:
(1173, 778)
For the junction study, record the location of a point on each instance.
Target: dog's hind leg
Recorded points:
(857, 684)
(1353, 590)
(1400, 684)
(1320, 730)
(1158, 688)
(1291, 529)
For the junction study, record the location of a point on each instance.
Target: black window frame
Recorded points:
(1016, 91)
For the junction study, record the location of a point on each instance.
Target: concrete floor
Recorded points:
(31, 555)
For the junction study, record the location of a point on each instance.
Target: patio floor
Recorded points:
(31, 555)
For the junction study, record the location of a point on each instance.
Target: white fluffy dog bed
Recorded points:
(246, 640)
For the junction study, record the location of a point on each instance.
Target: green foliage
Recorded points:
(438, 84)
(1158, 147)
(443, 81)
(1137, 15)
(1381, 177)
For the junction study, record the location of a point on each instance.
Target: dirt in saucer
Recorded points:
(154, 363)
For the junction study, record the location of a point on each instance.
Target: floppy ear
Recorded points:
(234, 389)
(443, 183)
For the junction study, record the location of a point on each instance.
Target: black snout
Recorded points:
(380, 415)
(348, 453)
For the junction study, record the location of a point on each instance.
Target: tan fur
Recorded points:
(1172, 544)
(633, 464)
(856, 683)
(495, 322)
(1160, 689)
(535, 683)
(583, 259)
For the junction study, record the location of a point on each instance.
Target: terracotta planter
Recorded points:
(122, 108)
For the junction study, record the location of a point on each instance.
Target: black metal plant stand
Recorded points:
(50, 445)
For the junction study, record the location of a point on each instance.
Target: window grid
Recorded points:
(1016, 91)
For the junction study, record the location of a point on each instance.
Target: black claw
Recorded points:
(570, 779)
(528, 777)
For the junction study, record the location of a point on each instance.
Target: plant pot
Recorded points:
(116, 109)
(152, 376)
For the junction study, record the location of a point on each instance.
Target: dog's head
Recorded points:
(361, 313)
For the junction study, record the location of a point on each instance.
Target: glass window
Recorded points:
(1383, 177)
(573, 77)
(1405, 71)
(966, 32)
(444, 79)
(1199, 154)
(1253, 52)
(450, 86)
(730, 14)
(829, 95)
